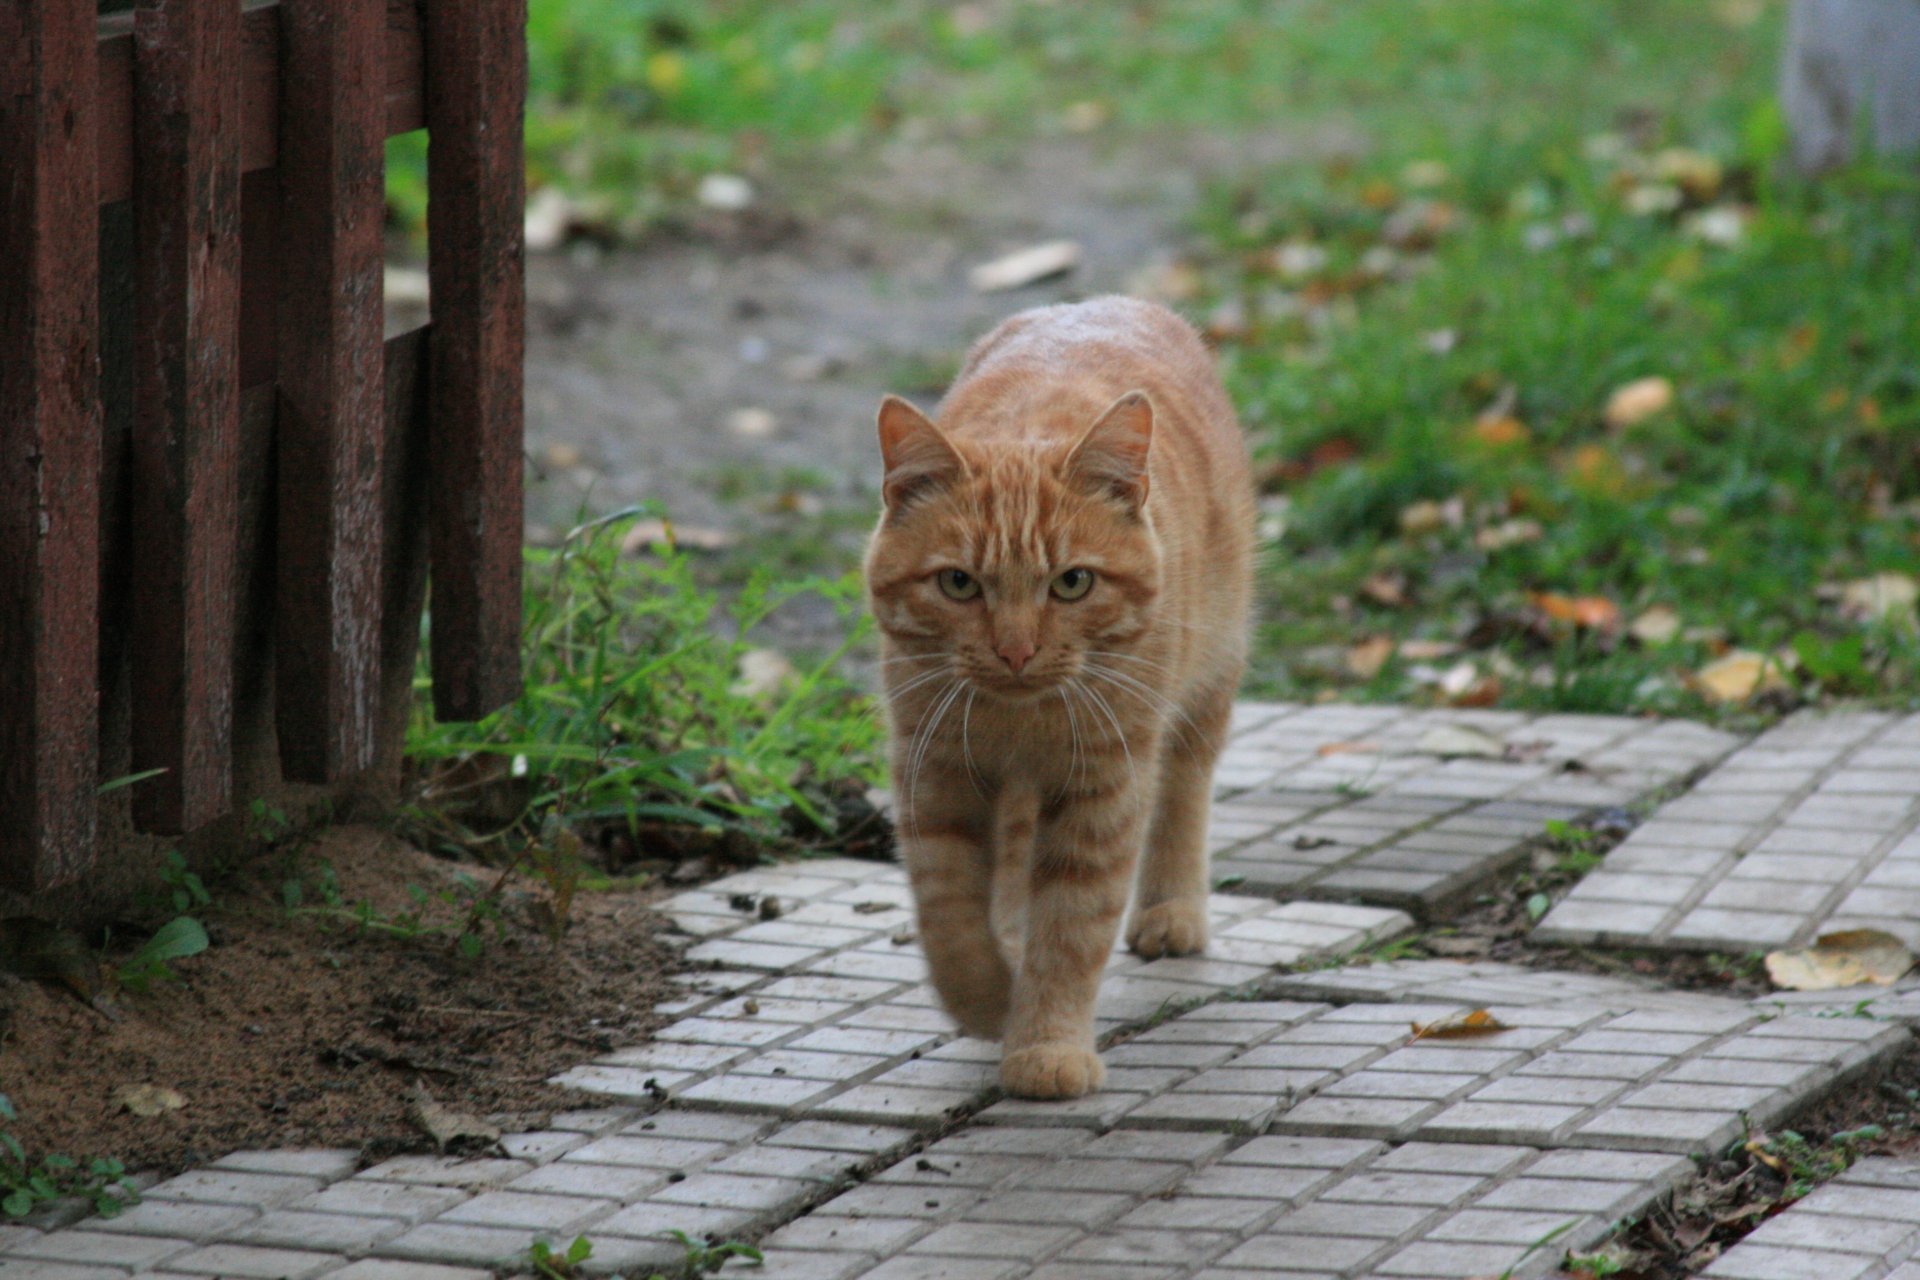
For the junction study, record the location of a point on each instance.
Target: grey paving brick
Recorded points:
(319, 1232)
(99, 1248)
(236, 1261)
(455, 1242)
(233, 1186)
(1831, 817)
(25, 1269)
(182, 1219)
(322, 1163)
(993, 1240)
(529, 1210)
(374, 1198)
(384, 1269)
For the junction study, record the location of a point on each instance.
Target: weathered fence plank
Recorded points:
(331, 410)
(259, 74)
(186, 418)
(49, 443)
(476, 76)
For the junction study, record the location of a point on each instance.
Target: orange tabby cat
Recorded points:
(1061, 577)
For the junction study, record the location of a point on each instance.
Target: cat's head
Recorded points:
(1016, 563)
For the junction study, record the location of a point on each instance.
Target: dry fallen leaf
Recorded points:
(1426, 516)
(1462, 1025)
(449, 1128)
(1508, 533)
(1427, 650)
(752, 422)
(1595, 613)
(1387, 587)
(1026, 266)
(1888, 597)
(1365, 659)
(1656, 626)
(642, 535)
(1347, 749)
(1456, 741)
(1500, 431)
(764, 672)
(1845, 959)
(1740, 675)
(1637, 401)
(1758, 1151)
(148, 1100)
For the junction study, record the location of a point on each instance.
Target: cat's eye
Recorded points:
(1071, 584)
(958, 584)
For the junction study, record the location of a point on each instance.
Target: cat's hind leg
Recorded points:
(1170, 900)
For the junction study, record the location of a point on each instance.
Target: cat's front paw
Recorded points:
(1176, 928)
(1052, 1071)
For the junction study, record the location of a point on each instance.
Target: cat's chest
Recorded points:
(1039, 741)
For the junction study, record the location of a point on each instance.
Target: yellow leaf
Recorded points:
(1500, 431)
(1347, 749)
(1428, 650)
(1637, 401)
(1387, 587)
(666, 73)
(1886, 597)
(148, 1100)
(1845, 959)
(1365, 659)
(1426, 517)
(1656, 626)
(1595, 613)
(1740, 675)
(1459, 1026)
(1593, 467)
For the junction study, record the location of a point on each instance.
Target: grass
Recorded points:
(27, 1182)
(1539, 204)
(1423, 342)
(650, 709)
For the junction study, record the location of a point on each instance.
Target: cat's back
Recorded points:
(1067, 358)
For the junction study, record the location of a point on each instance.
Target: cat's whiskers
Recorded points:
(916, 681)
(922, 742)
(1073, 741)
(1098, 701)
(966, 747)
(1176, 719)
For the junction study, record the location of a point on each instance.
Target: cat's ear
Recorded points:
(1112, 456)
(917, 456)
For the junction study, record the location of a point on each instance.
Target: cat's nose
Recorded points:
(1015, 653)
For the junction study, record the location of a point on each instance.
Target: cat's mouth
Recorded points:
(1026, 687)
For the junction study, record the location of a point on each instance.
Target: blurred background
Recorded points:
(1571, 382)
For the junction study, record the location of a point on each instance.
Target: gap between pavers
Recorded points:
(1423, 1125)
(1814, 826)
(1863, 1225)
(1395, 1157)
(1349, 803)
(825, 1011)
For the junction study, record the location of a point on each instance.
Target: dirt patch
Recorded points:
(305, 1031)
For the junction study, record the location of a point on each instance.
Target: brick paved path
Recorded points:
(1254, 1125)
(1812, 827)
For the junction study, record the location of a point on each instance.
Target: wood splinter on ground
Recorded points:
(1026, 266)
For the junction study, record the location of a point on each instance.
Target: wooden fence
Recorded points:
(213, 468)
